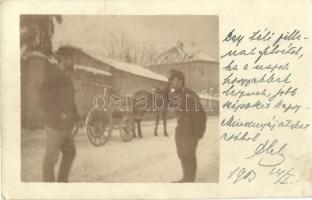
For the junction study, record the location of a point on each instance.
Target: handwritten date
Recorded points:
(240, 174)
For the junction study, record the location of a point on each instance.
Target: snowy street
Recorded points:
(151, 159)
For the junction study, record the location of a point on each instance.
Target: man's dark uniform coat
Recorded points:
(188, 131)
(58, 97)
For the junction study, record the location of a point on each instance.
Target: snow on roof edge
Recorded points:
(123, 66)
(35, 54)
(129, 67)
(92, 70)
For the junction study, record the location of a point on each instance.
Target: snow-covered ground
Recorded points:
(151, 159)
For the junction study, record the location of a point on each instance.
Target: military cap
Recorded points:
(176, 73)
(65, 51)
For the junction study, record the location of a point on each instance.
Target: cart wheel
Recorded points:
(99, 128)
(126, 128)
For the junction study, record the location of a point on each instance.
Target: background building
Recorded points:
(201, 71)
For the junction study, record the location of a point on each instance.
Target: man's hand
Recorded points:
(77, 126)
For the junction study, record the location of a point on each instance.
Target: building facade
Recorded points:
(92, 75)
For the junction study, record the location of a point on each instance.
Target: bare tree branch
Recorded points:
(120, 46)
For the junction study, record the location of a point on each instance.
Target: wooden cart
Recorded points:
(101, 124)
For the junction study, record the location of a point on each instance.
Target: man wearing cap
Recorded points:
(60, 115)
(188, 116)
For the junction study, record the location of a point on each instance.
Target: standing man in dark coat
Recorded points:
(58, 103)
(191, 124)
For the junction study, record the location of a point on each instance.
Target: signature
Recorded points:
(270, 150)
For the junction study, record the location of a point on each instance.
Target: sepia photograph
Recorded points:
(119, 98)
(155, 99)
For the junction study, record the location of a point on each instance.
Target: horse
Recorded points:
(156, 102)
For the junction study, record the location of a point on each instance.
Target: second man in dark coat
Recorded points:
(191, 123)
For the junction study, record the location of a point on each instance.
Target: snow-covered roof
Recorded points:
(37, 54)
(92, 70)
(200, 55)
(122, 66)
(194, 52)
(128, 67)
(184, 52)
